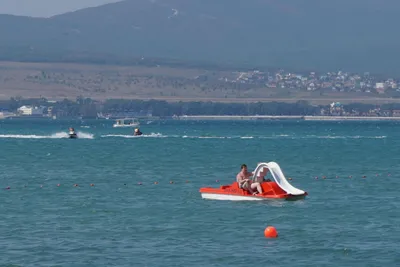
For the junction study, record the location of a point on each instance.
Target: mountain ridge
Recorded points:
(354, 35)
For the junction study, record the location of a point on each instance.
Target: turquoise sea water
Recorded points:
(346, 220)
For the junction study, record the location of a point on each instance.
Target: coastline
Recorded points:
(234, 117)
(304, 118)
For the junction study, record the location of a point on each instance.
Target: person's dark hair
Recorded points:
(243, 166)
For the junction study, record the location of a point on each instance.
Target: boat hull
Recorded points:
(230, 197)
(271, 191)
(248, 198)
(126, 125)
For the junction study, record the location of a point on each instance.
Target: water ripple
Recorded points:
(345, 221)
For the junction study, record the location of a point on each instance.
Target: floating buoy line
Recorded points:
(343, 176)
(323, 177)
(90, 185)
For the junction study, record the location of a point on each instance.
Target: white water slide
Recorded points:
(278, 176)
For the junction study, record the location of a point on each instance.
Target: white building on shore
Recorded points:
(31, 111)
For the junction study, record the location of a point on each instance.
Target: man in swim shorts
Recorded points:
(244, 181)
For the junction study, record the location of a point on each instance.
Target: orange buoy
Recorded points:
(270, 232)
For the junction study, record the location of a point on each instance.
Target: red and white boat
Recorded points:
(278, 188)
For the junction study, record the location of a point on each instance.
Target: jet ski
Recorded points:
(276, 188)
(72, 134)
(137, 132)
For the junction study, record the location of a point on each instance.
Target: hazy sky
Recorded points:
(46, 8)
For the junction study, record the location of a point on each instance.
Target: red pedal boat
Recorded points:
(278, 188)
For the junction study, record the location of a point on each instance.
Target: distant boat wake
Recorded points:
(59, 135)
(132, 136)
(283, 136)
(82, 135)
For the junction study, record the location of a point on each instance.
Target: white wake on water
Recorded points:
(159, 135)
(154, 135)
(58, 135)
(83, 135)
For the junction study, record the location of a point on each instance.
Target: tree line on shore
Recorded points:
(89, 108)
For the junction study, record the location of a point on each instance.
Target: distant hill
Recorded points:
(355, 35)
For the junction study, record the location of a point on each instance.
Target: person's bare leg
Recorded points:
(258, 186)
(248, 187)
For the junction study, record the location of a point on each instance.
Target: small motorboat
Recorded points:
(126, 123)
(72, 134)
(278, 188)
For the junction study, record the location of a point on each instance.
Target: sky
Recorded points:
(46, 8)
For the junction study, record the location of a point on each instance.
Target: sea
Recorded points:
(111, 199)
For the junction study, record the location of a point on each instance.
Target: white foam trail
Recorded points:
(23, 136)
(154, 135)
(85, 135)
(345, 137)
(58, 135)
(209, 137)
(159, 135)
(324, 137)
